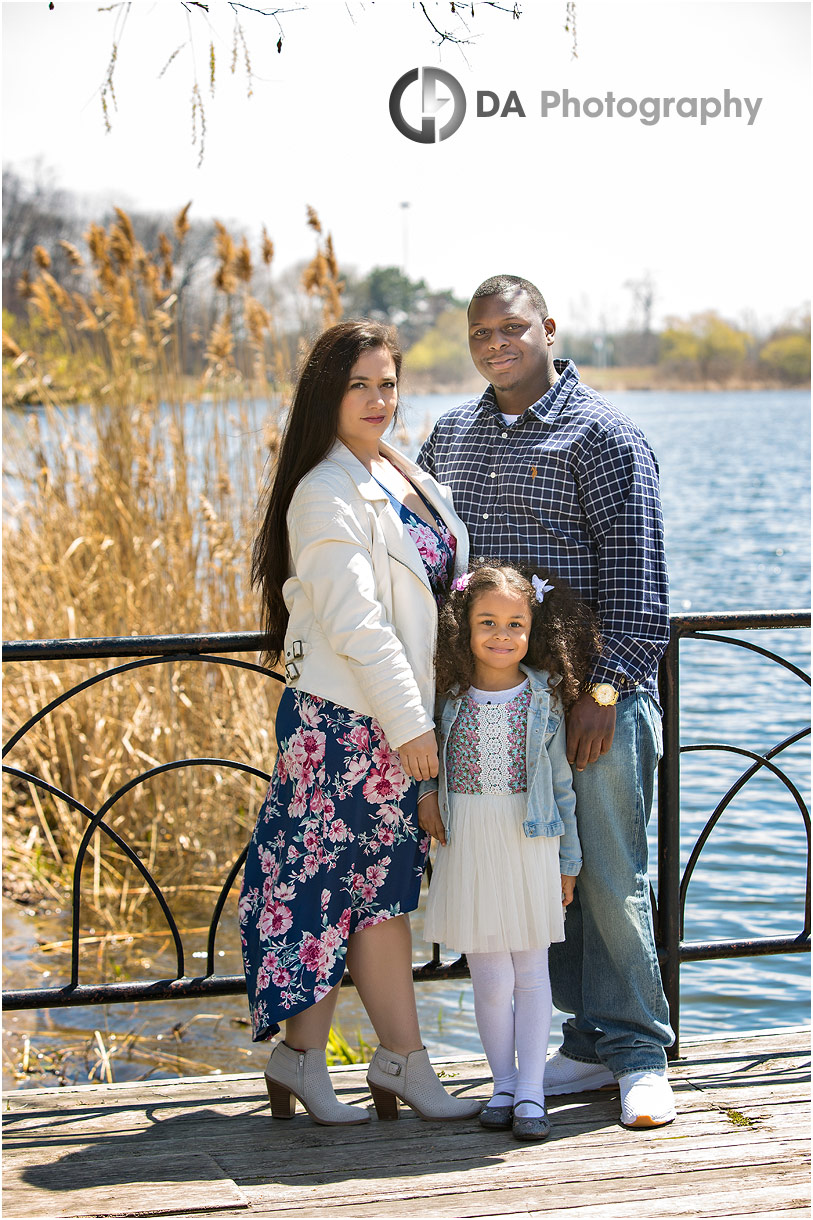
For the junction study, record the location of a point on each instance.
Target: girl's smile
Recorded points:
(499, 625)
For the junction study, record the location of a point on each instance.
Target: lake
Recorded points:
(735, 470)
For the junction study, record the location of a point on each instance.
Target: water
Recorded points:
(735, 485)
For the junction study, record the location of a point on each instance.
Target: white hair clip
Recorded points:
(541, 587)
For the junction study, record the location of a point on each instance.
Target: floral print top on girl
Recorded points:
(486, 752)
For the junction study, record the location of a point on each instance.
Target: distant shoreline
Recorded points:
(605, 380)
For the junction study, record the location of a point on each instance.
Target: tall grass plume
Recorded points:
(129, 493)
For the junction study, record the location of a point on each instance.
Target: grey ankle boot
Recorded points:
(303, 1075)
(411, 1078)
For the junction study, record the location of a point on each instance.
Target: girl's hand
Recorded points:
(568, 886)
(419, 757)
(429, 818)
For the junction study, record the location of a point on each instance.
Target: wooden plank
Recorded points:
(381, 1187)
(197, 1107)
(128, 1184)
(87, 1138)
(351, 1086)
(767, 1207)
(427, 1145)
(589, 1119)
(595, 1201)
(258, 1142)
(485, 1148)
(481, 1152)
(785, 1213)
(775, 1208)
(714, 1057)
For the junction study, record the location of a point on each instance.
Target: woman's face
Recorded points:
(369, 402)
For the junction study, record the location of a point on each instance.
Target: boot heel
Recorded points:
(386, 1104)
(412, 1080)
(283, 1102)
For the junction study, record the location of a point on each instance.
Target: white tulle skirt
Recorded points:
(493, 888)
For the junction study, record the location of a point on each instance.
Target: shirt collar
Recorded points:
(551, 401)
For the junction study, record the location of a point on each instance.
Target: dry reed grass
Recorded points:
(131, 515)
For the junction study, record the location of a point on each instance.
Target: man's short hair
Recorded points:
(506, 285)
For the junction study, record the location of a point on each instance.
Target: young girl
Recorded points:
(513, 652)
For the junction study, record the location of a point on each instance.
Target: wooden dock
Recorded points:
(739, 1148)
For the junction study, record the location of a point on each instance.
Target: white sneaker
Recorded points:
(563, 1075)
(646, 1099)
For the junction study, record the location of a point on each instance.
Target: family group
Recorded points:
(470, 645)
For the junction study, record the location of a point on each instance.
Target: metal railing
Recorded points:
(669, 913)
(221, 649)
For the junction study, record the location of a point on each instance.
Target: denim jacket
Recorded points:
(551, 799)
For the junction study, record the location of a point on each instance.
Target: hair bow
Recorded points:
(461, 583)
(541, 587)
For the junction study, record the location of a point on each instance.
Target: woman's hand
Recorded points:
(419, 757)
(568, 886)
(429, 818)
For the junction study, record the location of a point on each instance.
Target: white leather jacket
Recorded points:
(363, 620)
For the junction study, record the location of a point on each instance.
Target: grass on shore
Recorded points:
(119, 519)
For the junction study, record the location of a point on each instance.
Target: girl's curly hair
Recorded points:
(564, 637)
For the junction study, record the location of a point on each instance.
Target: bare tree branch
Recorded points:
(457, 8)
(570, 27)
(265, 12)
(514, 10)
(457, 33)
(443, 35)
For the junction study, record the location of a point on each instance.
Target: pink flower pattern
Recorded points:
(468, 741)
(436, 548)
(336, 847)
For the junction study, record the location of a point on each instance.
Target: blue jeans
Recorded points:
(606, 970)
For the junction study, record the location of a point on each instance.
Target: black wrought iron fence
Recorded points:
(673, 882)
(224, 649)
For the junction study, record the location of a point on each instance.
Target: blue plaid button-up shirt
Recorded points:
(571, 486)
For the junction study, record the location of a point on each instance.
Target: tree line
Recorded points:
(219, 287)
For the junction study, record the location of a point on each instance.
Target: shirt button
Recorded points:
(503, 435)
(493, 474)
(485, 516)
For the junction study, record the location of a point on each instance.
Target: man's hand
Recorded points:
(590, 730)
(429, 818)
(419, 757)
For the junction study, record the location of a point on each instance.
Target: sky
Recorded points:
(715, 214)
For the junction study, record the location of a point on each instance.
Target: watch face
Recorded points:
(604, 694)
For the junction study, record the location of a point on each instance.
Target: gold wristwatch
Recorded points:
(604, 694)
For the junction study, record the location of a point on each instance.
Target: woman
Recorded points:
(356, 546)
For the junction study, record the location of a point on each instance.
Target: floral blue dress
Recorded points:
(337, 846)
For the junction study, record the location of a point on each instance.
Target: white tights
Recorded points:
(512, 1004)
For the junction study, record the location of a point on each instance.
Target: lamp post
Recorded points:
(404, 236)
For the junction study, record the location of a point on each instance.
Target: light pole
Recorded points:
(404, 236)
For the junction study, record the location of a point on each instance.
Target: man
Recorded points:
(544, 471)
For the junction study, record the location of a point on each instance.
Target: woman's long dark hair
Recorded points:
(309, 435)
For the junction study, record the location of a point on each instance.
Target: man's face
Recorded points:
(510, 343)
